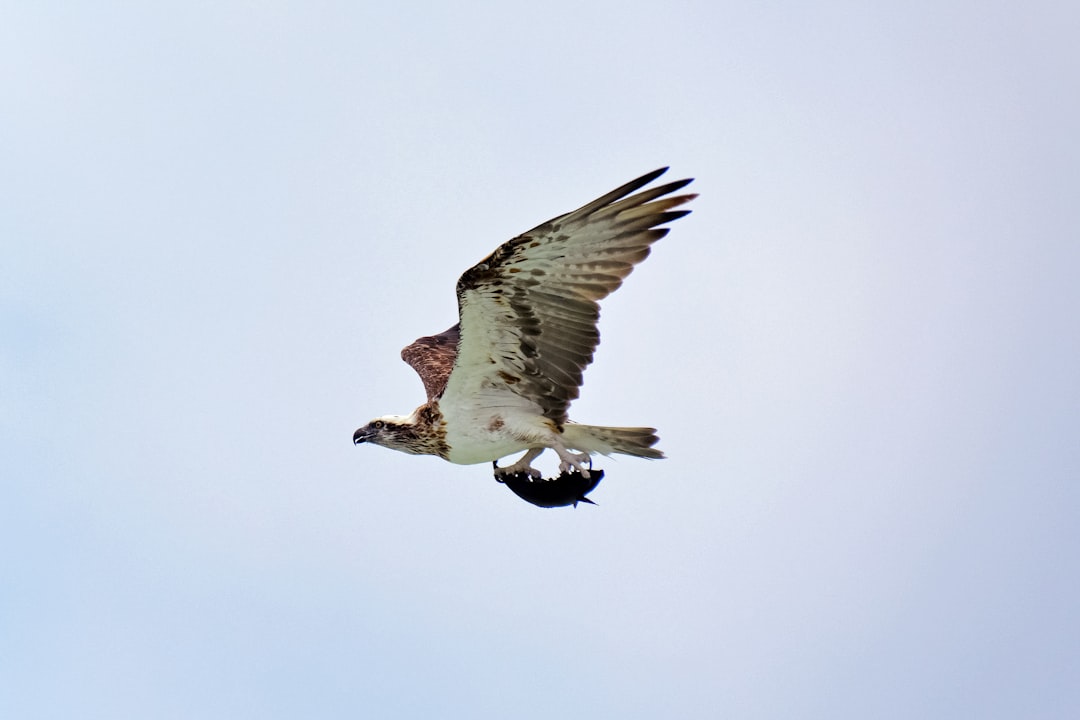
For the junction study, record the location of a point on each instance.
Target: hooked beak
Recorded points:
(360, 436)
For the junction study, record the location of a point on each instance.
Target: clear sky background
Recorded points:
(220, 222)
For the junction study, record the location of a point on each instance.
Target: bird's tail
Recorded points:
(636, 441)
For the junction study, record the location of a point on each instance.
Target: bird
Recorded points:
(500, 381)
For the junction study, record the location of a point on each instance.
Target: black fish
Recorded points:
(569, 488)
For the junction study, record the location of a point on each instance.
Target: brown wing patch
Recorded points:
(432, 358)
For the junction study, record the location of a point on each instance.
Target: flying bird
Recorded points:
(501, 380)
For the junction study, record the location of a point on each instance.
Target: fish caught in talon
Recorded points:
(567, 489)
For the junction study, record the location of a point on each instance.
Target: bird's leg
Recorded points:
(523, 465)
(570, 460)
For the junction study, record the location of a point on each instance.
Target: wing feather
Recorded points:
(529, 311)
(432, 358)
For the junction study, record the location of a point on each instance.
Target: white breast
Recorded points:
(493, 426)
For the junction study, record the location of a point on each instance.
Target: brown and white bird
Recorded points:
(501, 380)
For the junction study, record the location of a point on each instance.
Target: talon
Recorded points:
(522, 466)
(574, 462)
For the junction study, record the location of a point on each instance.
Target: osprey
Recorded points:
(501, 380)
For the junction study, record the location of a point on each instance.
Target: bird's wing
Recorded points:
(432, 358)
(529, 310)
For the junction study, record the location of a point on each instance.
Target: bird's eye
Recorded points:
(378, 424)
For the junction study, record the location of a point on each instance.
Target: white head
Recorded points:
(397, 432)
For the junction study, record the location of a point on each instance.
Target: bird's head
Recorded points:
(396, 432)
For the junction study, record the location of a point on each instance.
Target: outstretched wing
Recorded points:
(432, 358)
(529, 310)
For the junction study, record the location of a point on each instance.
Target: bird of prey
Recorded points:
(501, 380)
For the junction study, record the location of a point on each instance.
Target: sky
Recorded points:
(221, 222)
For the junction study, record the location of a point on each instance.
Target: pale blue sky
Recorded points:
(222, 221)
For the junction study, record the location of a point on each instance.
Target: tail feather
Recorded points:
(636, 441)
